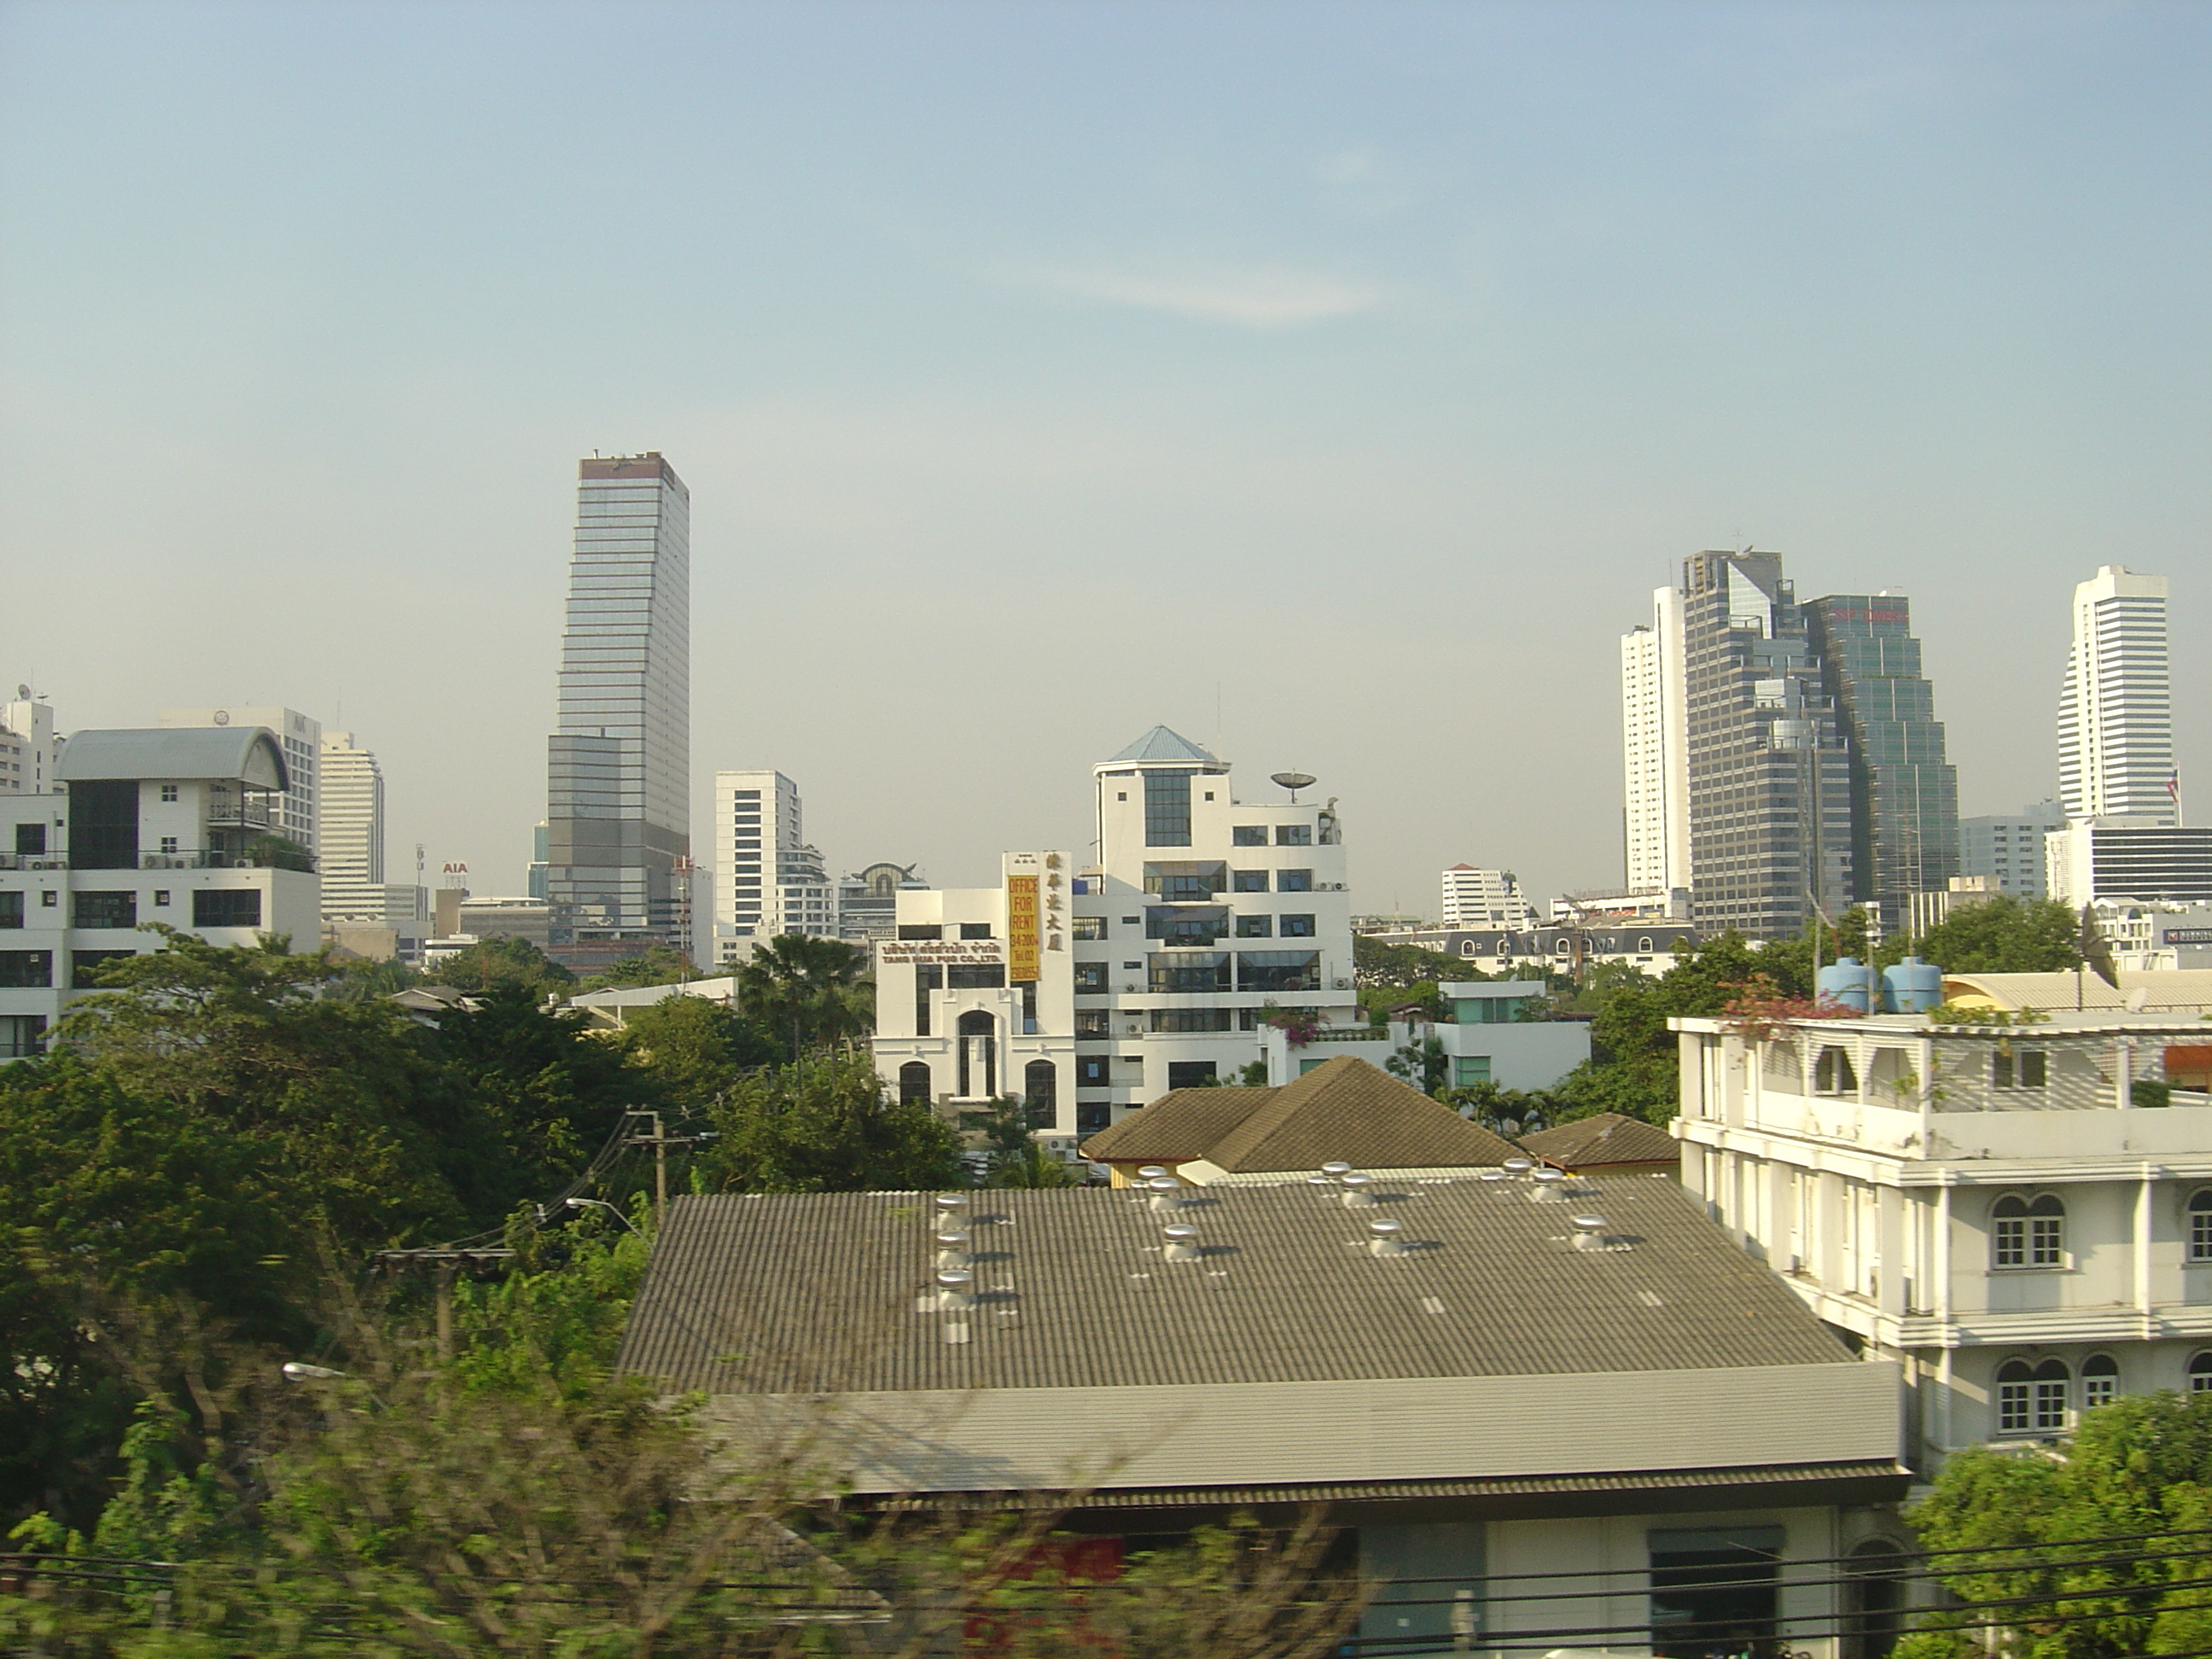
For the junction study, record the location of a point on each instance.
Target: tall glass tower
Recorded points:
(618, 812)
(1903, 790)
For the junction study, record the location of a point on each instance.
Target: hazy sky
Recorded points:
(1329, 382)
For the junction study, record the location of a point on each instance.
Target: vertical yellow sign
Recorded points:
(1021, 928)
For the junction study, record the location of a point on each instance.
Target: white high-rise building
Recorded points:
(351, 857)
(1655, 743)
(26, 744)
(1484, 898)
(2116, 713)
(773, 883)
(297, 815)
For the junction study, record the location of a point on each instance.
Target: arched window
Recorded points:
(2200, 1226)
(913, 1083)
(2100, 1381)
(2025, 1234)
(2200, 1374)
(979, 1055)
(1644, 945)
(1874, 1598)
(1040, 1093)
(2032, 1399)
(1833, 1073)
(1467, 947)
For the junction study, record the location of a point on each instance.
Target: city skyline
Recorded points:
(1233, 367)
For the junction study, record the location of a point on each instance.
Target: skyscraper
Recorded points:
(2115, 713)
(1769, 776)
(1655, 824)
(1904, 790)
(774, 882)
(618, 796)
(351, 857)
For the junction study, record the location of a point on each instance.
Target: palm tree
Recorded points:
(813, 990)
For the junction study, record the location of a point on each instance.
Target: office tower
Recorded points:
(534, 881)
(1484, 898)
(2115, 713)
(618, 796)
(1904, 792)
(2010, 848)
(1656, 825)
(2128, 858)
(297, 815)
(26, 744)
(351, 857)
(867, 900)
(1769, 774)
(777, 883)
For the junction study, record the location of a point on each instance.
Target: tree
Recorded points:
(1423, 1062)
(809, 991)
(824, 1126)
(491, 962)
(2001, 934)
(1376, 964)
(694, 1047)
(657, 965)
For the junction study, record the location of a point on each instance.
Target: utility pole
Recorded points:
(661, 1140)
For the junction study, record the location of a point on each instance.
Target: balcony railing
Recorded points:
(248, 814)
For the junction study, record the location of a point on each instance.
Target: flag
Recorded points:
(2173, 786)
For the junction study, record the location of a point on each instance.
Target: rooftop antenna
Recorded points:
(1293, 781)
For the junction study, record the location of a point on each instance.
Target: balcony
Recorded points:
(242, 815)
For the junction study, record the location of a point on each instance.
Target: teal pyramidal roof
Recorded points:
(1161, 744)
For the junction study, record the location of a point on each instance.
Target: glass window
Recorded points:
(21, 1035)
(1167, 809)
(30, 840)
(2029, 1234)
(1174, 1020)
(1294, 881)
(1249, 834)
(1093, 1070)
(1468, 1069)
(2100, 1381)
(1256, 926)
(1190, 1073)
(104, 908)
(1294, 834)
(1278, 970)
(1187, 925)
(2200, 1226)
(230, 908)
(975, 930)
(168, 792)
(1186, 882)
(1297, 927)
(26, 971)
(1833, 1073)
(161, 897)
(2200, 1374)
(1093, 1023)
(1090, 978)
(2032, 1399)
(1186, 971)
(11, 909)
(1091, 927)
(1248, 881)
(1040, 1093)
(975, 976)
(920, 930)
(913, 1083)
(85, 966)
(2023, 1068)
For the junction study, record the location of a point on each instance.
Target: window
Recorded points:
(1189, 1073)
(1256, 926)
(1294, 881)
(30, 840)
(1278, 970)
(2029, 1234)
(1093, 1023)
(1644, 945)
(913, 1083)
(1188, 1020)
(169, 845)
(1470, 1069)
(1091, 927)
(103, 818)
(227, 908)
(2200, 1374)
(2100, 1381)
(2032, 1399)
(1167, 809)
(979, 1055)
(11, 909)
(1040, 1093)
(975, 976)
(1248, 881)
(2023, 1068)
(168, 792)
(85, 966)
(21, 1035)
(920, 930)
(1186, 884)
(975, 930)
(2200, 1226)
(1249, 834)
(106, 909)
(49, 897)
(26, 971)
(1833, 1073)
(161, 897)
(1090, 979)
(1187, 925)
(1093, 1072)
(1187, 971)
(1297, 927)
(1714, 1590)
(1294, 834)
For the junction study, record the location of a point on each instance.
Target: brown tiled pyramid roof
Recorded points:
(1608, 1138)
(1344, 1109)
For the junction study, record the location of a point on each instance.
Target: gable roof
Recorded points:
(1344, 1109)
(220, 754)
(1608, 1138)
(1161, 744)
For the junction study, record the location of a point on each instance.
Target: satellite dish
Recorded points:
(2139, 998)
(1293, 781)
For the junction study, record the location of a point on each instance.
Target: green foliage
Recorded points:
(657, 965)
(824, 1126)
(504, 964)
(810, 994)
(696, 1049)
(1380, 966)
(1999, 935)
(1422, 1062)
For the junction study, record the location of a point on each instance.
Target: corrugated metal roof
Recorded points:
(1180, 1125)
(1607, 1138)
(817, 1292)
(224, 754)
(1161, 744)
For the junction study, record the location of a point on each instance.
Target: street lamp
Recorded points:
(601, 1204)
(298, 1370)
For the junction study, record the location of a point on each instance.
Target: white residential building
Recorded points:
(2115, 713)
(2153, 937)
(1484, 898)
(297, 816)
(350, 858)
(2010, 848)
(143, 826)
(1654, 742)
(1487, 1039)
(26, 744)
(1987, 1204)
(1201, 913)
(975, 998)
(776, 884)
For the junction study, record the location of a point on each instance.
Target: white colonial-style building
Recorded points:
(1997, 1207)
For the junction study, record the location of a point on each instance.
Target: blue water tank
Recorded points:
(1849, 981)
(1913, 987)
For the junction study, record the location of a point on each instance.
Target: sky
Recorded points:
(1332, 383)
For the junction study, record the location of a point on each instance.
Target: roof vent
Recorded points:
(952, 1248)
(1589, 1231)
(1359, 1193)
(1167, 1193)
(1322, 1184)
(1182, 1244)
(1491, 1175)
(1334, 1171)
(1516, 1167)
(956, 1290)
(948, 1202)
(1151, 1171)
(1546, 1187)
(1386, 1239)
